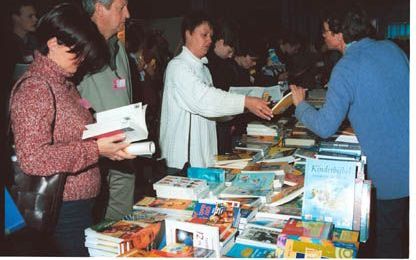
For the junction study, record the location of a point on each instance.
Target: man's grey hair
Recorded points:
(89, 5)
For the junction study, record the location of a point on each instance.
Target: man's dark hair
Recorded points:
(193, 20)
(226, 30)
(352, 22)
(16, 5)
(73, 28)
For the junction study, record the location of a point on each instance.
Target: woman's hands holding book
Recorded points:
(112, 148)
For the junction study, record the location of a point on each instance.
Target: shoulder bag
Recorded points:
(38, 198)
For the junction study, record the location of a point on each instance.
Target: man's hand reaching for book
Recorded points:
(298, 94)
(112, 148)
(259, 107)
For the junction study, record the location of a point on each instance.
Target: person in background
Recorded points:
(244, 63)
(111, 88)
(149, 63)
(369, 85)
(190, 102)
(219, 64)
(23, 41)
(224, 46)
(68, 42)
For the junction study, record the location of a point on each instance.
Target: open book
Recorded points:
(128, 119)
(283, 104)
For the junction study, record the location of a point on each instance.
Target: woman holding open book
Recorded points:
(48, 118)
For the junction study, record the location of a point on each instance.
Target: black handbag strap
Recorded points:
(9, 130)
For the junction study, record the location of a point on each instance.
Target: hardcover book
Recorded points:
(307, 248)
(340, 147)
(254, 180)
(279, 212)
(192, 234)
(283, 104)
(123, 232)
(167, 206)
(145, 216)
(268, 223)
(279, 154)
(214, 175)
(329, 191)
(249, 251)
(259, 236)
(365, 211)
(234, 157)
(238, 192)
(308, 228)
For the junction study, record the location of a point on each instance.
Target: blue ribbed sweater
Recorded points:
(370, 85)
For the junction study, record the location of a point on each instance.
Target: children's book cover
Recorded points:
(254, 180)
(329, 191)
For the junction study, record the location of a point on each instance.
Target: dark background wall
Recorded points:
(300, 16)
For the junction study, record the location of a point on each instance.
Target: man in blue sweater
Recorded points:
(370, 85)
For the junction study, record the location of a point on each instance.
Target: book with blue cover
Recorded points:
(249, 251)
(202, 212)
(214, 175)
(329, 191)
(254, 180)
(13, 220)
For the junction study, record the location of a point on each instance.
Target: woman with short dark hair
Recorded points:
(191, 103)
(48, 118)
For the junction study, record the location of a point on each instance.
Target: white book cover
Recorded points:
(129, 119)
(197, 235)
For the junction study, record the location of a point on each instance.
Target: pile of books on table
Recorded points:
(267, 201)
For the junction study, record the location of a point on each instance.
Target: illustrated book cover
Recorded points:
(329, 191)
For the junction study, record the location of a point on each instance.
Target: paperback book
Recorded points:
(129, 120)
(250, 251)
(172, 207)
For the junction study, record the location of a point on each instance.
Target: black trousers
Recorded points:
(392, 228)
(74, 218)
